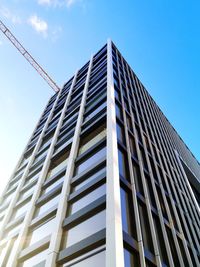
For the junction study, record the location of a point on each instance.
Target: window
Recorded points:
(150, 192)
(118, 111)
(21, 209)
(95, 111)
(143, 158)
(173, 247)
(86, 228)
(129, 123)
(92, 138)
(87, 199)
(133, 146)
(58, 164)
(128, 221)
(23, 194)
(40, 156)
(120, 133)
(123, 164)
(160, 240)
(48, 205)
(41, 231)
(91, 159)
(131, 259)
(138, 179)
(36, 259)
(95, 98)
(12, 230)
(162, 204)
(9, 197)
(145, 227)
(24, 161)
(54, 183)
(32, 176)
(46, 142)
(97, 260)
(88, 179)
(117, 94)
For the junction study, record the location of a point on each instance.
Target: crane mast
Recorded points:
(28, 56)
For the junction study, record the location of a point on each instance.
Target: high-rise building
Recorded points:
(104, 181)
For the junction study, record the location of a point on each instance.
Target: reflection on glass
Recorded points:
(87, 199)
(41, 231)
(86, 228)
(48, 205)
(91, 160)
(122, 161)
(92, 139)
(36, 259)
(130, 259)
(126, 209)
(97, 260)
(89, 179)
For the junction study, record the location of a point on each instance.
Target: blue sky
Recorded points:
(159, 39)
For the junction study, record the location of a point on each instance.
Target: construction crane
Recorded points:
(28, 56)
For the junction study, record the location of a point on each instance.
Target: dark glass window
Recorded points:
(123, 164)
(117, 94)
(133, 146)
(162, 204)
(150, 192)
(129, 123)
(95, 111)
(131, 259)
(119, 111)
(145, 227)
(138, 179)
(120, 133)
(92, 138)
(143, 157)
(128, 221)
(58, 164)
(160, 240)
(173, 247)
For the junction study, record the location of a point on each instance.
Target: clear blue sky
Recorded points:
(159, 39)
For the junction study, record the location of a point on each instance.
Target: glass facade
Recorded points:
(55, 210)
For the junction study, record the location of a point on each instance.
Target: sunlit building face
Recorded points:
(104, 181)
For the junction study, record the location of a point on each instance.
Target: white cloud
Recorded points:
(55, 33)
(58, 3)
(45, 2)
(70, 3)
(38, 24)
(8, 14)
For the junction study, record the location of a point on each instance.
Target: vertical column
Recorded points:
(114, 237)
(133, 185)
(56, 236)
